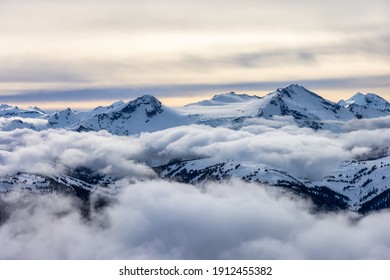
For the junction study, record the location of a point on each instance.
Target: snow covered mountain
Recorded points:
(307, 108)
(68, 118)
(366, 105)
(223, 109)
(7, 111)
(145, 113)
(224, 99)
(361, 186)
(65, 118)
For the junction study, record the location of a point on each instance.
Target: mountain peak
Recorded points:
(35, 108)
(232, 97)
(366, 105)
(153, 105)
(366, 99)
(15, 111)
(147, 98)
(295, 89)
(306, 107)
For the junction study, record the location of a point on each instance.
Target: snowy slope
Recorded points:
(224, 105)
(360, 181)
(201, 170)
(208, 169)
(81, 182)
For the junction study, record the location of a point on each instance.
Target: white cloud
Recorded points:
(164, 220)
(51, 152)
(300, 151)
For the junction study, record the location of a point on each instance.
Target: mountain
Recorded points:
(306, 107)
(65, 118)
(224, 99)
(366, 105)
(68, 118)
(226, 105)
(9, 124)
(7, 111)
(359, 185)
(145, 113)
(81, 183)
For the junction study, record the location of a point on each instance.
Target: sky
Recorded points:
(87, 52)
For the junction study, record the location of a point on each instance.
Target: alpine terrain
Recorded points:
(262, 140)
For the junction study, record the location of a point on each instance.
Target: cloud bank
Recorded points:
(277, 143)
(165, 220)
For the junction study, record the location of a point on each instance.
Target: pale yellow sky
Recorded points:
(60, 46)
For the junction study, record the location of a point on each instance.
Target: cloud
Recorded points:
(52, 152)
(367, 124)
(286, 148)
(277, 143)
(8, 124)
(165, 220)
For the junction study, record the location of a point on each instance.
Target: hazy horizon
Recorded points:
(107, 96)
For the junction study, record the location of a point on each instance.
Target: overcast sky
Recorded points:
(180, 48)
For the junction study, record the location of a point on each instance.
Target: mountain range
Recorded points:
(360, 184)
(147, 113)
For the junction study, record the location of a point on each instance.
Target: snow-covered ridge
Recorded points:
(7, 111)
(225, 98)
(369, 100)
(147, 113)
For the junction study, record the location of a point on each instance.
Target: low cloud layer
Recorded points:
(156, 219)
(277, 143)
(164, 220)
(52, 152)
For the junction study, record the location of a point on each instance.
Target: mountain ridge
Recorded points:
(307, 108)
